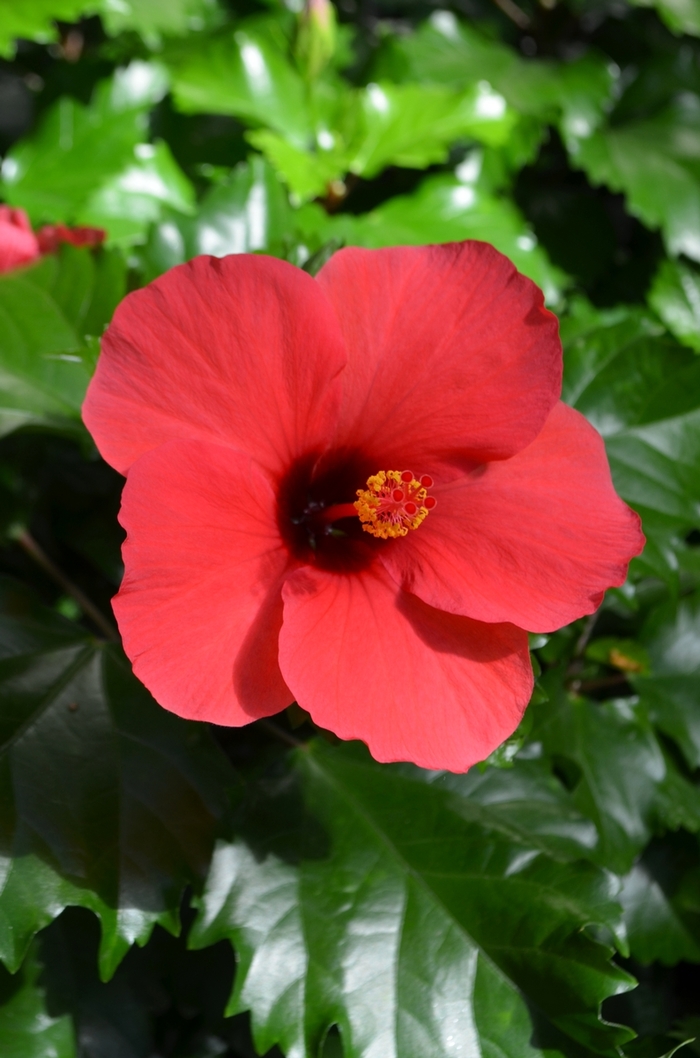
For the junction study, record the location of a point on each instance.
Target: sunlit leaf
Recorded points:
(130, 202)
(35, 19)
(245, 72)
(445, 50)
(27, 1030)
(675, 295)
(641, 390)
(405, 919)
(55, 172)
(45, 312)
(444, 208)
(656, 164)
(247, 211)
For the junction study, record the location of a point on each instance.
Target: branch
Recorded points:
(29, 545)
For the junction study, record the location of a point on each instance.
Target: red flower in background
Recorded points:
(19, 245)
(355, 491)
(52, 235)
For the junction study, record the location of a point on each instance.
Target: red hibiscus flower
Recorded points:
(52, 235)
(18, 243)
(355, 491)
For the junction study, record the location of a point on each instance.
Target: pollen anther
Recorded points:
(394, 502)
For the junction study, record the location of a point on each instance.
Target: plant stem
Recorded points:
(281, 734)
(29, 545)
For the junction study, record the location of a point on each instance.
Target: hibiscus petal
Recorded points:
(200, 606)
(242, 350)
(372, 662)
(18, 243)
(452, 355)
(535, 539)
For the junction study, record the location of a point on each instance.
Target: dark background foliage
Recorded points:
(172, 890)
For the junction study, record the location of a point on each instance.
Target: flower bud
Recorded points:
(316, 36)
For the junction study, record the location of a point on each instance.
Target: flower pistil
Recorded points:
(394, 502)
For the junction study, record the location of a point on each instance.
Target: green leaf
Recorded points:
(35, 19)
(670, 693)
(42, 374)
(657, 933)
(108, 801)
(656, 164)
(446, 51)
(155, 18)
(675, 295)
(77, 151)
(86, 286)
(405, 921)
(620, 768)
(27, 1030)
(642, 391)
(306, 173)
(383, 124)
(681, 16)
(526, 804)
(245, 212)
(46, 312)
(130, 202)
(413, 125)
(244, 72)
(444, 208)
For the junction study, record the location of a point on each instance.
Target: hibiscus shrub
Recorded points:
(400, 756)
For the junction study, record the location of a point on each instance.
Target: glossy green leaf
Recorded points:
(108, 801)
(642, 391)
(86, 285)
(656, 931)
(306, 173)
(384, 124)
(526, 804)
(446, 51)
(245, 212)
(670, 693)
(656, 164)
(76, 149)
(46, 312)
(27, 1030)
(156, 18)
(675, 295)
(619, 769)
(43, 376)
(130, 202)
(413, 125)
(245, 72)
(35, 19)
(444, 208)
(412, 925)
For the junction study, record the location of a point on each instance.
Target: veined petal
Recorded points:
(372, 662)
(200, 606)
(451, 353)
(242, 351)
(536, 539)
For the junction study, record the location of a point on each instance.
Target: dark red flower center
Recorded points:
(323, 523)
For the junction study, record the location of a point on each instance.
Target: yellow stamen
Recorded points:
(393, 502)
